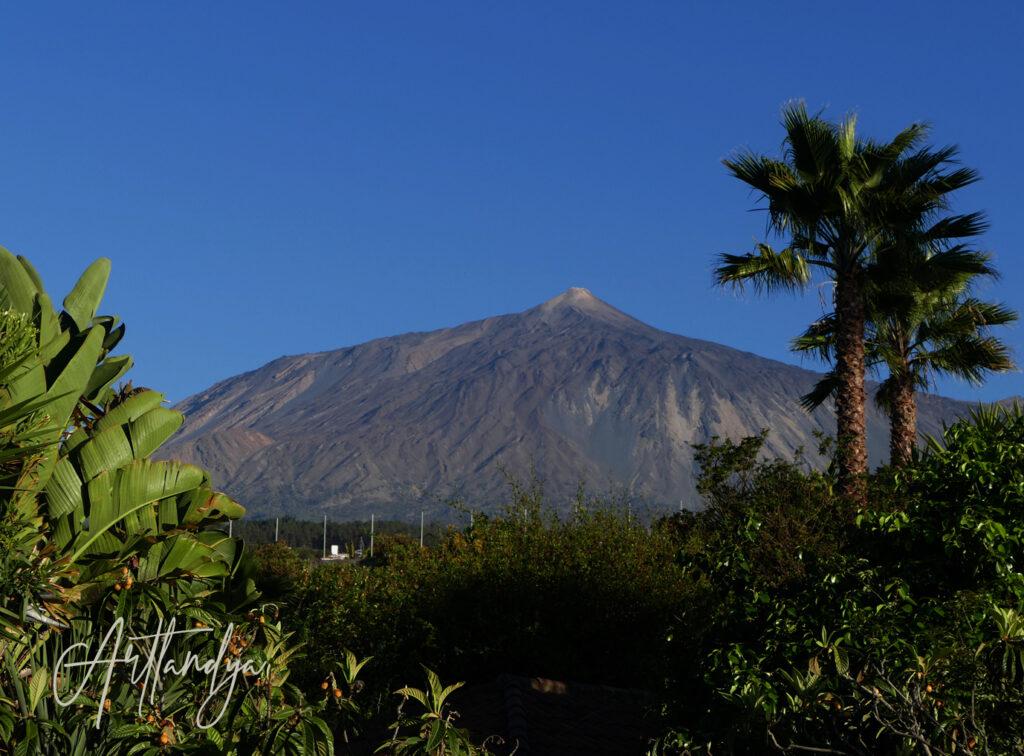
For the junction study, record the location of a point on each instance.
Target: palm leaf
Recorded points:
(766, 269)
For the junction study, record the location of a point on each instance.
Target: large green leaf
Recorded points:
(205, 505)
(149, 563)
(27, 382)
(167, 514)
(191, 556)
(145, 480)
(77, 437)
(45, 318)
(107, 450)
(49, 348)
(152, 429)
(114, 331)
(436, 735)
(17, 289)
(108, 371)
(82, 301)
(72, 380)
(33, 274)
(104, 512)
(131, 408)
(64, 490)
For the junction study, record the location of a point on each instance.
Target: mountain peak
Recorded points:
(577, 293)
(578, 300)
(576, 297)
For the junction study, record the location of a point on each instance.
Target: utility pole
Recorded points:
(371, 536)
(325, 536)
(277, 528)
(421, 528)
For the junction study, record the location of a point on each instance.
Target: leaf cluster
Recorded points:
(899, 629)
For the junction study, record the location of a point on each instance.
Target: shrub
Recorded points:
(97, 537)
(584, 599)
(895, 629)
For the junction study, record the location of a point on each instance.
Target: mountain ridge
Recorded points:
(573, 387)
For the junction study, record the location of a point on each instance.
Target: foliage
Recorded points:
(894, 628)
(278, 569)
(99, 539)
(840, 199)
(434, 731)
(585, 599)
(350, 536)
(349, 717)
(922, 320)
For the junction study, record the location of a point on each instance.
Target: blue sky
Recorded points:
(275, 178)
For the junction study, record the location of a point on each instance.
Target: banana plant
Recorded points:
(91, 527)
(94, 495)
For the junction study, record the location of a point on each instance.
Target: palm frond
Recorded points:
(919, 167)
(820, 338)
(949, 182)
(910, 137)
(956, 227)
(809, 139)
(948, 272)
(823, 390)
(762, 173)
(992, 313)
(885, 393)
(765, 270)
(970, 358)
(965, 318)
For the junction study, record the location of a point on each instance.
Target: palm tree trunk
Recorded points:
(851, 428)
(903, 422)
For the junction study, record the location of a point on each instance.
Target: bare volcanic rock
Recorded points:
(573, 387)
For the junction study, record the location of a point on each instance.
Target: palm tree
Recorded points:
(837, 198)
(922, 320)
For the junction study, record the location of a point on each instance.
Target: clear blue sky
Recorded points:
(274, 178)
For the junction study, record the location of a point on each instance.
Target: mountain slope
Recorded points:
(573, 386)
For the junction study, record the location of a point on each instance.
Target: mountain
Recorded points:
(573, 386)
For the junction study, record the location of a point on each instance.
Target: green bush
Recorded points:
(894, 629)
(585, 599)
(97, 538)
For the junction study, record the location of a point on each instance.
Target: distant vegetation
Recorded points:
(347, 536)
(781, 617)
